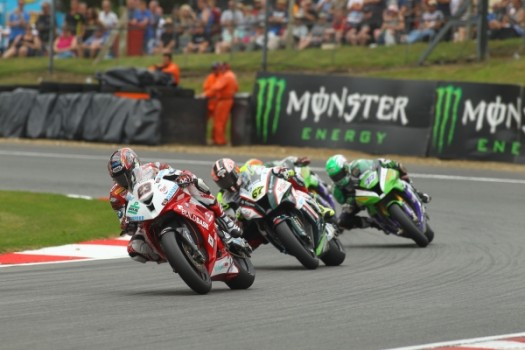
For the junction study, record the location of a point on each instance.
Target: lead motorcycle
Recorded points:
(393, 204)
(288, 219)
(183, 232)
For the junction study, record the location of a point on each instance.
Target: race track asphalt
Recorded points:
(388, 293)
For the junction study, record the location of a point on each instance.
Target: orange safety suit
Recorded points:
(206, 86)
(224, 91)
(172, 68)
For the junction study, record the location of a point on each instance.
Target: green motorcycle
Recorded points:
(393, 204)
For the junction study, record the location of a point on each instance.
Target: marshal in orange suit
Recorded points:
(223, 90)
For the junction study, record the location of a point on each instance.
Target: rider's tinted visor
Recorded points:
(339, 176)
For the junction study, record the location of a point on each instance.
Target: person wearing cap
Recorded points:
(168, 67)
(223, 90)
(167, 40)
(431, 21)
(207, 85)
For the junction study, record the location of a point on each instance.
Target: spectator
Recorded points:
(258, 11)
(156, 24)
(444, 7)
(17, 22)
(247, 25)
(92, 23)
(231, 40)
(92, 45)
(131, 7)
(392, 29)
(200, 41)
(317, 35)
(168, 67)
(167, 40)
(107, 17)
(43, 26)
(184, 23)
(75, 20)
(224, 91)
(278, 18)
(142, 20)
(24, 45)
(430, 23)
(308, 13)
(216, 22)
(257, 42)
(299, 28)
(65, 45)
(373, 18)
(325, 7)
(339, 26)
(411, 11)
(505, 20)
(3, 39)
(232, 15)
(205, 16)
(356, 33)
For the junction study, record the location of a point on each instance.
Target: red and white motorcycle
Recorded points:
(183, 232)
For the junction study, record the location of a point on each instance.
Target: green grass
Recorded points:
(31, 220)
(451, 61)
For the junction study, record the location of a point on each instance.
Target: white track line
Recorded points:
(478, 341)
(206, 162)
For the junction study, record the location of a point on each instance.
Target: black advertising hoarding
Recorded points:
(477, 121)
(363, 114)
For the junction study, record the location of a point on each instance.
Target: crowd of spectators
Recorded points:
(203, 26)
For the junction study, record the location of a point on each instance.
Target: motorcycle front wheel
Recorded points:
(409, 227)
(183, 262)
(296, 248)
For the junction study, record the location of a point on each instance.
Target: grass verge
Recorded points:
(35, 220)
(451, 61)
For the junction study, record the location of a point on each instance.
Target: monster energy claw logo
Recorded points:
(446, 115)
(269, 97)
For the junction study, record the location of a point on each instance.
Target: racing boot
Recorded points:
(228, 225)
(140, 251)
(425, 198)
(326, 212)
(237, 245)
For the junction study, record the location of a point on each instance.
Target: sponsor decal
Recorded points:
(315, 110)
(493, 115)
(256, 192)
(269, 98)
(171, 193)
(193, 217)
(136, 218)
(134, 208)
(211, 241)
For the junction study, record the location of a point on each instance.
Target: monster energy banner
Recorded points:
(478, 121)
(363, 114)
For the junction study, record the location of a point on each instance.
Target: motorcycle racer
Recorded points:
(346, 174)
(230, 178)
(121, 165)
(311, 179)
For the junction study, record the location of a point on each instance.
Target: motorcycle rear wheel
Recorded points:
(410, 228)
(294, 247)
(336, 253)
(246, 275)
(198, 279)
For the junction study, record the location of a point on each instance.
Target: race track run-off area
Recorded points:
(464, 291)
